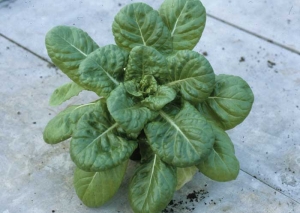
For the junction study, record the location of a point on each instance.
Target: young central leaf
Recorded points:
(152, 186)
(67, 47)
(182, 140)
(192, 74)
(96, 145)
(102, 70)
(138, 24)
(96, 188)
(127, 111)
(186, 21)
(146, 61)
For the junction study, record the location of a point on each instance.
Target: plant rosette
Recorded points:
(157, 98)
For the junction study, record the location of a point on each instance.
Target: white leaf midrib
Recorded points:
(175, 25)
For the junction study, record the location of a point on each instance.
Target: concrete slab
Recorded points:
(277, 20)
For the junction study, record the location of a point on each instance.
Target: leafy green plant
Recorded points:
(157, 99)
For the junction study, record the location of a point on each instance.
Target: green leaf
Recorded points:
(152, 186)
(61, 127)
(132, 88)
(182, 140)
(230, 102)
(192, 74)
(146, 61)
(96, 188)
(138, 24)
(102, 70)
(96, 145)
(67, 47)
(64, 93)
(185, 175)
(127, 111)
(185, 20)
(163, 96)
(221, 164)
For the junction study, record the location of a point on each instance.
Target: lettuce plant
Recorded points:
(158, 99)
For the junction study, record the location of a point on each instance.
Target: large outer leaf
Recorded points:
(61, 127)
(192, 74)
(127, 111)
(185, 175)
(163, 96)
(152, 186)
(138, 24)
(102, 70)
(96, 188)
(182, 140)
(221, 164)
(64, 93)
(96, 146)
(186, 21)
(230, 102)
(146, 61)
(67, 47)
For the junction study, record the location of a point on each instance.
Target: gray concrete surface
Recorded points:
(37, 178)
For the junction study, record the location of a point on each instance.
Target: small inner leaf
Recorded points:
(127, 111)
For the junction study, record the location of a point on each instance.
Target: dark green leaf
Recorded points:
(146, 61)
(182, 140)
(221, 164)
(102, 70)
(96, 145)
(185, 20)
(230, 102)
(64, 93)
(127, 111)
(67, 47)
(61, 127)
(152, 186)
(138, 24)
(185, 175)
(163, 96)
(96, 188)
(192, 74)
(133, 88)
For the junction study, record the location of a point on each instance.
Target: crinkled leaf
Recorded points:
(64, 93)
(221, 164)
(185, 175)
(67, 47)
(185, 20)
(127, 111)
(152, 186)
(102, 70)
(182, 140)
(61, 127)
(138, 24)
(132, 88)
(96, 188)
(192, 74)
(163, 96)
(146, 61)
(96, 145)
(230, 102)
